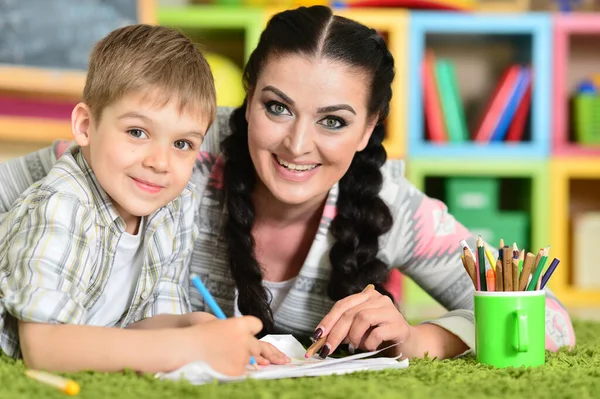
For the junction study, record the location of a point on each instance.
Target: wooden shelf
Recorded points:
(34, 130)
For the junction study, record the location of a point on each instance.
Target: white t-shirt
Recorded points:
(120, 287)
(277, 290)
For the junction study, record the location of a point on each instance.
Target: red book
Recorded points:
(497, 104)
(434, 119)
(517, 127)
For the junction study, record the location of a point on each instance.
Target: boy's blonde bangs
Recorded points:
(158, 62)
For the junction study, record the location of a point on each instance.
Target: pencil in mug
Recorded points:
(499, 276)
(526, 272)
(533, 284)
(471, 267)
(470, 272)
(212, 304)
(507, 268)
(490, 258)
(549, 272)
(318, 344)
(64, 385)
(481, 263)
(490, 279)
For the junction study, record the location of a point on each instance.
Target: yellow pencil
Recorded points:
(65, 385)
(490, 258)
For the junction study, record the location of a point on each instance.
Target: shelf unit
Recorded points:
(48, 84)
(564, 171)
(535, 27)
(567, 27)
(249, 20)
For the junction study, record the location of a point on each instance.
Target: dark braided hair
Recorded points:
(362, 216)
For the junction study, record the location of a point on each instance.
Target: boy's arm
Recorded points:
(71, 347)
(48, 257)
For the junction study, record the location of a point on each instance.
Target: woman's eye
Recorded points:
(277, 108)
(137, 133)
(182, 145)
(332, 123)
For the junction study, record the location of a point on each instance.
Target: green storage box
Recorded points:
(472, 194)
(586, 112)
(510, 226)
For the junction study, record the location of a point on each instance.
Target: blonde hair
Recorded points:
(151, 60)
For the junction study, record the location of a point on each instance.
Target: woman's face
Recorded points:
(306, 120)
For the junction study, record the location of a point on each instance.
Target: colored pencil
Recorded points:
(549, 272)
(490, 257)
(481, 260)
(515, 274)
(470, 268)
(527, 266)
(538, 271)
(507, 268)
(490, 279)
(499, 276)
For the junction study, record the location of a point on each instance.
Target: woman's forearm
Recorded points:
(65, 347)
(433, 341)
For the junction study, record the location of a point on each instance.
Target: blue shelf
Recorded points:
(537, 26)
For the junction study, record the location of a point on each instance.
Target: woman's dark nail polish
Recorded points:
(324, 351)
(317, 334)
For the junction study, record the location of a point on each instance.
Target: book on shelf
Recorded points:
(434, 119)
(512, 104)
(453, 112)
(504, 117)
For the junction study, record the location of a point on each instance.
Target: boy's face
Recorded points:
(141, 153)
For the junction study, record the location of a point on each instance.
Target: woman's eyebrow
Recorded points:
(333, 108)
(279, 93)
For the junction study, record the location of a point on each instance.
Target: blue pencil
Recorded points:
(212, 304)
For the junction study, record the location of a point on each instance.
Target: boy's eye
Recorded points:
(137, 133)
(276, 108)
(331, 122)
(182, 145)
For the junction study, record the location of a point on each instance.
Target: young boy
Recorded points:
(102, 241)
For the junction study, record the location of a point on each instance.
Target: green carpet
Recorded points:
(573, 374)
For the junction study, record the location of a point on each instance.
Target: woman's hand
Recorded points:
(368, 321)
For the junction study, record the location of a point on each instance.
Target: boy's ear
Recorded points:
(81, 122)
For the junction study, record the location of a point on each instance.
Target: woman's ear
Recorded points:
(81, 124)
(248, 102)
(367, 134)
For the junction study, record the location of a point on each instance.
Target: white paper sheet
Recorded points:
(201, 373)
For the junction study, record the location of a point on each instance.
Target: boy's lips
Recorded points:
(147, 186)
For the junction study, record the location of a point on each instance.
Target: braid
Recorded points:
(361, 218)
(239, 181)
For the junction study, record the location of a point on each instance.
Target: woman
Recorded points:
(301, 210)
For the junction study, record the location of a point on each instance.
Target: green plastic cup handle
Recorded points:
(521, 338)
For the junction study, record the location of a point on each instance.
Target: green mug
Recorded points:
(510, 328)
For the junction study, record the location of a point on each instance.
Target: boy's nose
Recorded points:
(157, 159)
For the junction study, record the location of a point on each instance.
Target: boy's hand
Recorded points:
(269, 354)
(194, 318)
(226, 345)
